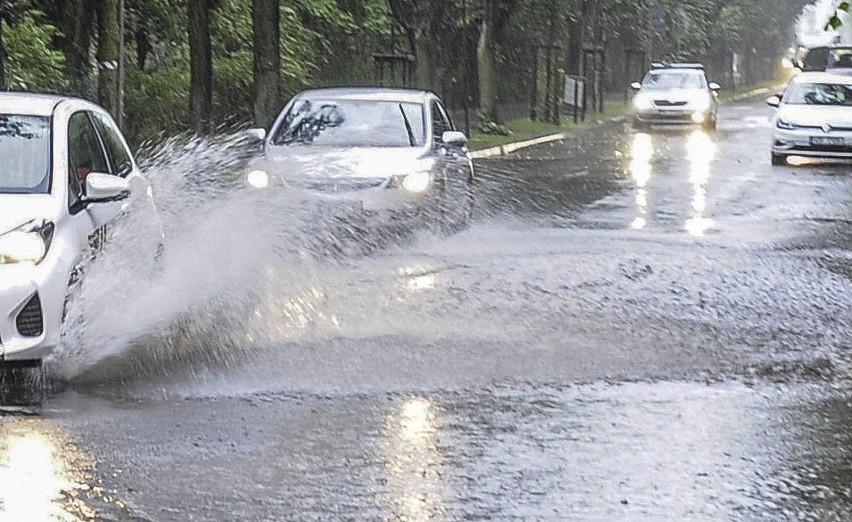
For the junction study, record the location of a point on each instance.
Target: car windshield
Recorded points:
(24, 154)
(352, 123)
(819, 94)
(667, 80)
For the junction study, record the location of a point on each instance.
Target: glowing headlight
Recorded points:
(643, 102)
(258, 179)
(417, 182)
(22, 247)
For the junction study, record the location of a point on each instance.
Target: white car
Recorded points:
(814, 118)
(65, 173)
(675, 94)
(392, 154)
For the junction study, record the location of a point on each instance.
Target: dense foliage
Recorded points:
(476, 53)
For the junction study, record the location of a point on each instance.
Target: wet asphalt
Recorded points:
(636, 326)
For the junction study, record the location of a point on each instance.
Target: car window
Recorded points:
(24, 154)
(117, 152)
(819, 94)
(440, 122)
(85, 156)
(352, 123)
(660, 80)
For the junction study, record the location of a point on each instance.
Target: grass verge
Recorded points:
(527, 129)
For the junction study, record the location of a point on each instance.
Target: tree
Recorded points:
(266, 20)
(107, 55)
(200, 65)
(487, 58)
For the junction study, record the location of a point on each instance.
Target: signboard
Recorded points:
(575, 90)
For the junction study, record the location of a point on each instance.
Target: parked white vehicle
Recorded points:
(814, 118)
(65, 174)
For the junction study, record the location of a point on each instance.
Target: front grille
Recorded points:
(29, 320)
(669, 103)
(846, 149)
(336, 185)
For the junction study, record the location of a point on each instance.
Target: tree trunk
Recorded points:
(423, 63)
(3, 84)
(200, 66)
(486, 56)
(107, 55)
(76, 19)
(267, 61)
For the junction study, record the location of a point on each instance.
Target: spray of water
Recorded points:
(810, 27)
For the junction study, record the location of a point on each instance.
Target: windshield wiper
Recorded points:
(411, 140)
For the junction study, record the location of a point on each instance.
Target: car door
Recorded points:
(85, 156)
(456, 159)
(140, 211)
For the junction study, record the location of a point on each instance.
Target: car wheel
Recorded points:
(710, 125)
(779, 159)
(457, 204)
(22, 383)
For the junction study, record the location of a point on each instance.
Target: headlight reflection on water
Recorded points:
(641, 152)
(44, 476)
(413, 462)
(700, 151)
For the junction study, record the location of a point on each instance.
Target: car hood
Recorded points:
(816, 115)
(341, 169)
(17, 209)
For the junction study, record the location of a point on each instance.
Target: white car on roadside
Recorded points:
(65, 174)
(814, 118)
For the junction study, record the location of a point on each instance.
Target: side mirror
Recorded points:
(635, 86)
(454, 138)
(256, 134)
(773, 101)
(101, 188)
(714, 86)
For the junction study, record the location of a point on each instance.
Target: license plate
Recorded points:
(824, 140)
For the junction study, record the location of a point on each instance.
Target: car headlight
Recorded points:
(25, 246)
(417, 182)
(781, 124)
(258, 179)
(642, 102)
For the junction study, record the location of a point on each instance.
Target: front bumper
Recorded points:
(813, 143)
(677, 116)
(31, 301)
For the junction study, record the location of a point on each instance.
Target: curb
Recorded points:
(508, 148)
(756, 92)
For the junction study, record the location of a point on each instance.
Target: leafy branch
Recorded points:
(835, 22)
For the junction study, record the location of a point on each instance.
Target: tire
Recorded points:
(457, 204)
(640, 125)
(22, 383)
(709, 125)
(779, 160)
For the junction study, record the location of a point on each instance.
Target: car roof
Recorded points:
(29, 103)
(370, 93)
(822, 77)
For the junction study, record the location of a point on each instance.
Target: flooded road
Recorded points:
(642, 326)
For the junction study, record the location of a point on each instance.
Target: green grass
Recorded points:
(730, 94)
(527, 129)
